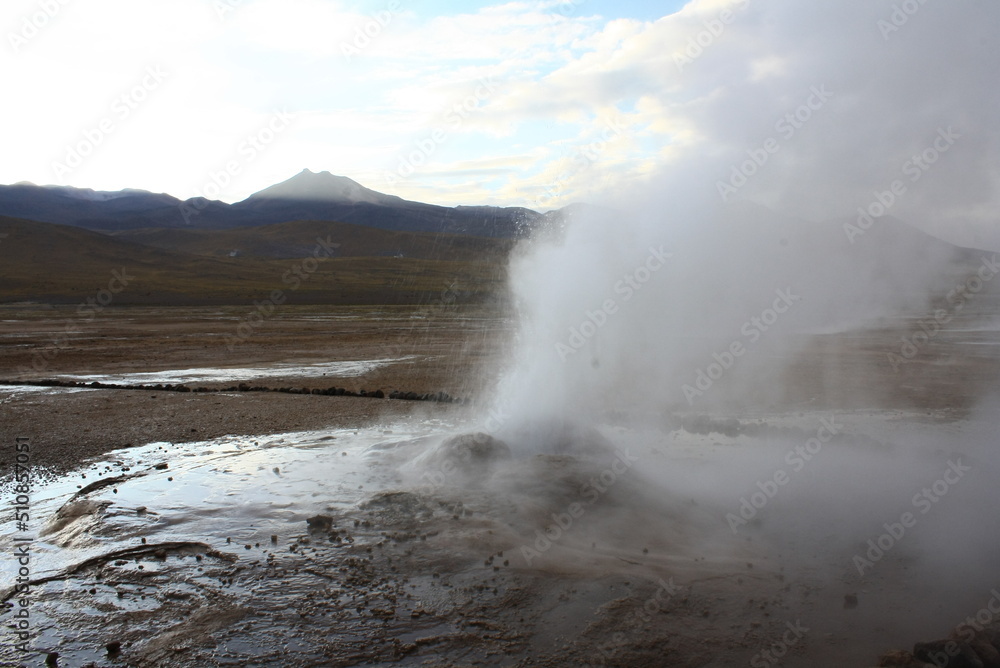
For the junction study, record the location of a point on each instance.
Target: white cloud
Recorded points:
(558, 80)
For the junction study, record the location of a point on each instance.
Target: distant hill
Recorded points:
(298, 238)
(43, 262)
(307, 196)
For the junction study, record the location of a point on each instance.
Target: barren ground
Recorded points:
(416, 577)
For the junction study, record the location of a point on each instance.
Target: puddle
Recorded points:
(13, 390)
(210, 374)
(129, 547)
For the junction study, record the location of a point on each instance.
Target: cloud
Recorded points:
(893, 90)
(693, 92)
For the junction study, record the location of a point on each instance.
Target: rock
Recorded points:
(947, 654)
(114, 648)
(850, 601)
(986, 652)
(320, 523)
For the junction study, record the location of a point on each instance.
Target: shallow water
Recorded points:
(242, 497)
(225, 374)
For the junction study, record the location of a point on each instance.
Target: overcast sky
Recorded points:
(526, 103)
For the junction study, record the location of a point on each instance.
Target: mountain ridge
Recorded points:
(306, 196)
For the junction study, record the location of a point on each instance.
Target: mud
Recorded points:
(440, 544)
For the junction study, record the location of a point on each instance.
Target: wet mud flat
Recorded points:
(423, 543)
(425, 350)
(613, 549)
(194, 578)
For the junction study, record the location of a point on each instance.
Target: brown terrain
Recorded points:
(649, 593)
(219, 524)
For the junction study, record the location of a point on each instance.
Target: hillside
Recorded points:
(50, 263)
(297, 239)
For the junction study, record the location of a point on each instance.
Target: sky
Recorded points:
(525, 103)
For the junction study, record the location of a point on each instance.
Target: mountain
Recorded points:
(307, 196)
(310, 186)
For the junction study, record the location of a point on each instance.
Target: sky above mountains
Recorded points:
(817, 109)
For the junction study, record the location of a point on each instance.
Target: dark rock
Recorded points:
(114, 648)
(986, 652)
(320, 523)
(379, 394)
(947, 654)
(161, 466)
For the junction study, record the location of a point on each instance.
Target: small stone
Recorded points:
(320, 523)
(850, 601)
(114, 648)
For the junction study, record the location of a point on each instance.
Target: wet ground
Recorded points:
(375, 546)
(345, 532)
